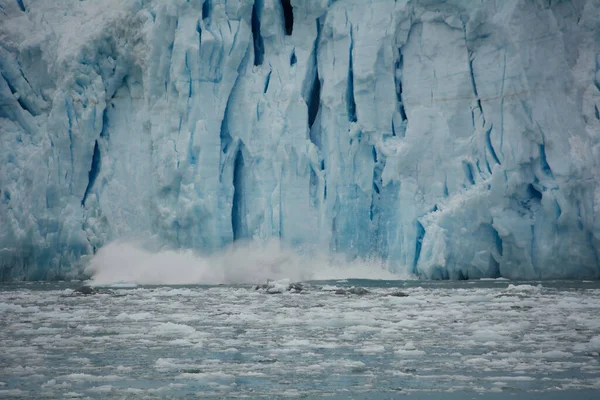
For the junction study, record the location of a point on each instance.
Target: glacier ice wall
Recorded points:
(453, 139)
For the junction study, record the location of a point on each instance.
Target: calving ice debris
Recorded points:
(451, 139)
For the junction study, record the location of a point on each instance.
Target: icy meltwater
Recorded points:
(456, 340)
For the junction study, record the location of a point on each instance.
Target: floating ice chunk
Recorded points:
(88, 377)
(553, 354)
(134, 316)
(73, 395)
(409, 350)
(7, 307)
(297, 343)
(371, 349)
(165, 364)
(523, 288)
(171, 329)
(136, 391)
(8, 393)
(593, 345)
(101, 389)
(53, 384)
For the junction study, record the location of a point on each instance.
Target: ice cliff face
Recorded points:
(453, 139)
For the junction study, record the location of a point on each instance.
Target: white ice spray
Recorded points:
(244, 263)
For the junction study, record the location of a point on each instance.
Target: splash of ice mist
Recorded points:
(241, 263)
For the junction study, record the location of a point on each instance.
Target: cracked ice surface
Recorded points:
(460, 339)
(449, 139)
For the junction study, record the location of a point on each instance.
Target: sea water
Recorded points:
(457, 340)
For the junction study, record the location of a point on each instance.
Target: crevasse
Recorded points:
(450, 139)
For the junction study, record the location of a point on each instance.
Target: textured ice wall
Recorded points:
(454, 139)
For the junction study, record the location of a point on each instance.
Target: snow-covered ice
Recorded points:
(450, 139)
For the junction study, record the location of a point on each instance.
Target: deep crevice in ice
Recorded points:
(468, 168)
(104, 132)
(527, 200)
(21, 5)
(293, 59)
(93, 173)
(544, 162)
(26, 106)
(490, 146)
(446, 191)
(192, 152)
(206, 8)
(167, 78)
(487, 165)
(238, 210)
(398, 82)
(472, 73)
(224, 135)
(488, 132)
(502, 108)
(533, 193)
(190, 82)
(497, 239)
(267, 80)
(259, 47)
(377, 183)
(226, 141)
(70, 120)
(314, 100)
(558, 209)
(350, 102)
(21, 100)
(313, 97)
(313, 186)
(199, 30)
(420, 234)
(288, 16)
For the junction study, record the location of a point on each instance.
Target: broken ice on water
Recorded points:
(450, 139)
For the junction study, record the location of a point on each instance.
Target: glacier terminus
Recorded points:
(452, 139)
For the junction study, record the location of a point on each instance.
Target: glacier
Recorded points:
(453, 139)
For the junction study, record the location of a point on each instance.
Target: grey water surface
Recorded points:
(448, 340)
